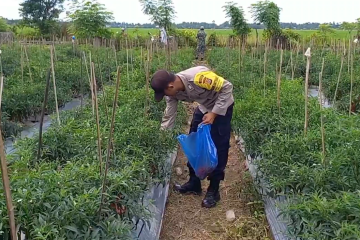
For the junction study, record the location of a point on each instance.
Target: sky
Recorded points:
(299, 11)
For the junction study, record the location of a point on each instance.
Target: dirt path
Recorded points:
(185, 219)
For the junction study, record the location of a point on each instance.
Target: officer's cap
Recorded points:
(202, 28)
(160, 82)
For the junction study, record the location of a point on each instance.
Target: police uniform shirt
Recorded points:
(212, 92)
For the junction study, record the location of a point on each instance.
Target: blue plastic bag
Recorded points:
(200, 150)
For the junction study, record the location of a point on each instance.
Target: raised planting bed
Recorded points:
(276, 221)
(59, 195)
(291, 170)
(66, 181)
(320, 184)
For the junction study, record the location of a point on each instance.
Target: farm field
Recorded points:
(316, 174)
(63, 187)
(315, 169)
(339, 34)
(83, 150)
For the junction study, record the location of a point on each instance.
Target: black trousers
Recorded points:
(220, 134)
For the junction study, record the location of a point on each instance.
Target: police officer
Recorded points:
(201, 45)
(214, 94)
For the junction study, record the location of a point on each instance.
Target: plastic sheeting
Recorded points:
(30, 131)
(278, 225)
(155, 200)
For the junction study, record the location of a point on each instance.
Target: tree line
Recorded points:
(225, 25)
(196, 25)
(89, 18)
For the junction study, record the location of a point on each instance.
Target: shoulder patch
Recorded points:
(209, 80)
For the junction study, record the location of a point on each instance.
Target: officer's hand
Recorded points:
(209, 118)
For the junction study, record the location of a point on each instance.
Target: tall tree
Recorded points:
(41, 13)
(358, 27)
(237, 19)
(90, 19)
(161, 12)
(348, 26)
(267, 13)
(3, 25)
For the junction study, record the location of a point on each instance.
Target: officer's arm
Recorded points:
(222, 103)
(220, 85)
(170, 113)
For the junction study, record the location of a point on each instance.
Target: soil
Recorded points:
(185, 219)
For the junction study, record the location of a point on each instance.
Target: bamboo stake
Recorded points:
(115, 55)
(292, 65)
(28, 63)
(265, 60)
(42, 116)
(103, 89)
(80, 81)
(22, 63)
(5, 179)
(321, 115)
(339, 77)
(97, 115)
(1, 87)
(54, 82)
(91, 85)
(349, 53)
(351, 82)
(147, 82)
(110, 138)
(127, 62)
(308, 56)
(239, 57)
(279, 79)
(87, 71)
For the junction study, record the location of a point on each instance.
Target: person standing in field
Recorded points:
(201, 43)
(214, 94)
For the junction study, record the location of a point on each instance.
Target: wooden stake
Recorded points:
(239, 57)
(115, 55)
(110, 138)
(42, 116)
(279, 79)
(339, 77)
(308, 56)
(28, 63)
(92, 85)
(349, 53)
(97, 115)
(127, 62)
(54, 82)
(6, 181)
(1, 88)
(147, 73)
(80, 81)
(321, 115)
(351, 82)
(90, 77)
(265, 60)
(292, 65)
(103, 89)
(22, 63)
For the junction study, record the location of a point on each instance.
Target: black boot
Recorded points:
(212, 196)
(193, 186)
